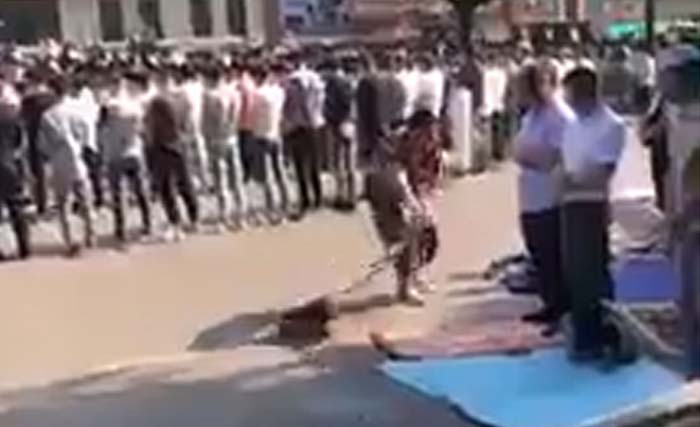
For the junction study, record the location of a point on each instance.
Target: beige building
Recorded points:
(90, 21)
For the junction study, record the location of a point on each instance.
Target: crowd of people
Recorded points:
(83, 131)
(76, 127)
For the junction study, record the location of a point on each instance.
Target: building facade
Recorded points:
(92, 21)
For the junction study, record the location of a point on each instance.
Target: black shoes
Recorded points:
(543, 316)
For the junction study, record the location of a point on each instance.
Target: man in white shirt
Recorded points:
(408, 75)
(494, 106)
(63, 136)
(82, 99)
(537, 152)
(303, 120)
(193, 91)
(591, 149)
(121, 144)
(644, 67)
(430, 87)
(220, 109)
(268, 105)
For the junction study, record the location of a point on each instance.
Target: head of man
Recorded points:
(212, 76)
(59, 85)
(582, 90)
(136, 82)
(260, 73)
(546, 80)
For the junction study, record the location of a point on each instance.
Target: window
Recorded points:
(200, 18)
(149, 11)
(28, 21)
(111, 20)
(236, 12)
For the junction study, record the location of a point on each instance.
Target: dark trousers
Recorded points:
(586, 257)
(499, 141)
(18, 220)
(37, 167)
(542, 234)
(171, 174)
(247, 145)
(130, 169)
(343, 163)
(94, 166)
(304, 148)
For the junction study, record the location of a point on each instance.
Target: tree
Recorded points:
(465, 9)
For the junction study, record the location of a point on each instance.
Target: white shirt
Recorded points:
(62, 137)
(591, 141)
(409, 80)
(120, 135)
(645, 67)
(495, 85)
(193, 91)
(430, 91)
(267, 111)
(542, 131)
(87, 108)
(316, 92)
(236, 104)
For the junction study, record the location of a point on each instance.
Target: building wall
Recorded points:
(79, 21)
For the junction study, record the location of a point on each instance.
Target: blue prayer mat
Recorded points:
(543, 389)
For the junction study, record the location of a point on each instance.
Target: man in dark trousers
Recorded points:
(303, 120)
(11, 194)
(37, 99)
(592, 145)
(165, 126)
(337, 111)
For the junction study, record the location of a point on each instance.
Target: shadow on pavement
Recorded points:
(252, 387)
(264, 328)
(234, 332)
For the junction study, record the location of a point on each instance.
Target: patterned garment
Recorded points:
(420, 151)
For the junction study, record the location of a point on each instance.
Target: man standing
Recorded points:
(11, 188)
(63, 137)
(381, 105)
(219, 118)
(591, 149)
(37, 99)
(303, 117)
(268, 104)
(166, 130)
(122, 148)
(83, 101)
(337, 111)
(192, 89)
(537, 153)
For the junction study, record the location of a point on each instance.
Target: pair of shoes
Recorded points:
(425, 286)
(411, 297)
(74, 250)
(544, 315)
(90, 242)
(173, 234)
(550, 330)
